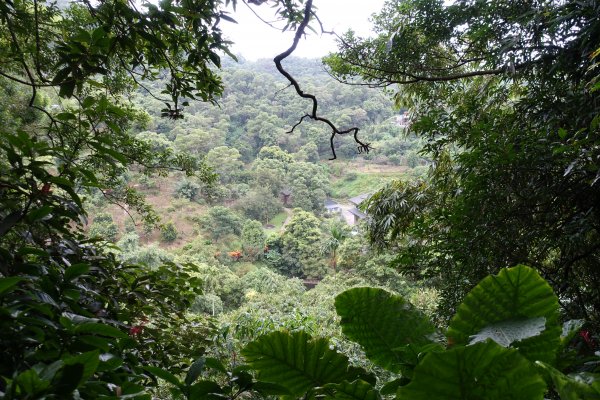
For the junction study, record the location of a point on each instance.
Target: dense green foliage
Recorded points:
(186, 252)
(72, 314)
(312, 362)
(506, 97)
(399, 338)
(365, 319)
(76, 321)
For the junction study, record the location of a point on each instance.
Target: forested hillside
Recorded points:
(263, 171)
(412, 217)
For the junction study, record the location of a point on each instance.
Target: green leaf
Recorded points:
(100, 329)
(95, 341)
(582, 386)
(85, 364)
(65, 116)
(509, 331)
(30, 383)
(195, 370)
(269, 389)
(109, 362)
(60, 181)
(27, 250)
(67, 88)
(163, 374)
(83, 36)
(390, 329)
(39, 213)
(61, 75)
(562, 133)
(227, 18)
(76, 270)
(391, 387)
(296, 362)
(242, 379)
(70, 379)
(481, 371)
(98, 34)
(215, 59)
(112, 153)
(91, 177)
(88, 102)
(8, 284)
(205, 390)
(49, 371)
(357, 390)
(514, 294)
(9, 221)
(114, 127)
(215, 364)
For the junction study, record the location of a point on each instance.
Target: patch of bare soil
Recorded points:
(179, 211)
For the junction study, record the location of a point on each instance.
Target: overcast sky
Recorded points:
(254, 39)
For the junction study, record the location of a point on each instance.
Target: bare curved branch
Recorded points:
(362, 147)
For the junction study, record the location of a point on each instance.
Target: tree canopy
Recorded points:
(506, 97)
(79, 321)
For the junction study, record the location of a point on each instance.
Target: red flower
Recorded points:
(585, 335)
(46, 189)
(136, 330)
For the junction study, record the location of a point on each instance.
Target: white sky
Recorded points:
(254, 39)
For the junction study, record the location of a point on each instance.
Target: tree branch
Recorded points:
(257, 15)
(362, 147)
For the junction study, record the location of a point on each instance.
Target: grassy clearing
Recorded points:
(356, 183)
(277, 222)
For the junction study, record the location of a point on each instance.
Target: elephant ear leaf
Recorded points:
(298, 363)
(577, 386)
(390, 330)
(510, 331)
(357, 390)
(516, 308)
(484, 370)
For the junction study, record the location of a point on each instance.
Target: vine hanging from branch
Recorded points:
(362, 147)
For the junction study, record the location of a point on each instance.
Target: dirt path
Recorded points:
(289, 213)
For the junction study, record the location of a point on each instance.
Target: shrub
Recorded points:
(168, 232)
(186, 189)
(103, 227)
(209, 303)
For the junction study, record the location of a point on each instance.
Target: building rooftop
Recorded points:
(356, 212)
(360, 198)
(331, 203)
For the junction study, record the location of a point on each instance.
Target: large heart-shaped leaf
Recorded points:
(509, 331)
(357, 390)
(297, 362)
(577, 386)
(484, 370)
(517, 298)
(390, 329)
